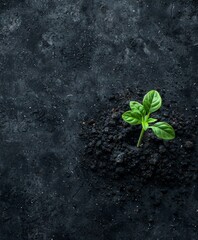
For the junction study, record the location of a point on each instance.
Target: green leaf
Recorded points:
(163, 130)
(132, 117)
(137, 106)
(145, 125)
(152, 101)
(152, 120)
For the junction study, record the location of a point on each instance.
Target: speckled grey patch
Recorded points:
(59, 61)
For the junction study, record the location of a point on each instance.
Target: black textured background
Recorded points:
(59, 59)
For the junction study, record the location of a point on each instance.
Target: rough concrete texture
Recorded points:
(59, 60)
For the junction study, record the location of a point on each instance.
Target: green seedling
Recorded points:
(140, 114)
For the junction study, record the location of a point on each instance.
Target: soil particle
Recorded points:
(154, 158)
(189, 145)
(162, 149)
(120, 157)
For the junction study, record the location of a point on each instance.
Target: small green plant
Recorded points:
(140, 114)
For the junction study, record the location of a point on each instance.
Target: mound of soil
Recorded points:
(111, 150)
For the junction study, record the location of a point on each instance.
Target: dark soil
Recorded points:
(111, 150)
(65, 62)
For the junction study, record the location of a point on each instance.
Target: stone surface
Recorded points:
(59, 62)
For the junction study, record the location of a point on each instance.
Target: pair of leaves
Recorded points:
(134, 117)
(152, 101)
(139, 114)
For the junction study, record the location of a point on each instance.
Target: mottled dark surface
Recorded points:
(59, 59)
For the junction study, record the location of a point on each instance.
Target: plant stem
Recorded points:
(140, 138)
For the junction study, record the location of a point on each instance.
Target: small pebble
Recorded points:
(114, 115)
(106, 129)
(188, 145)
(120, 157)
